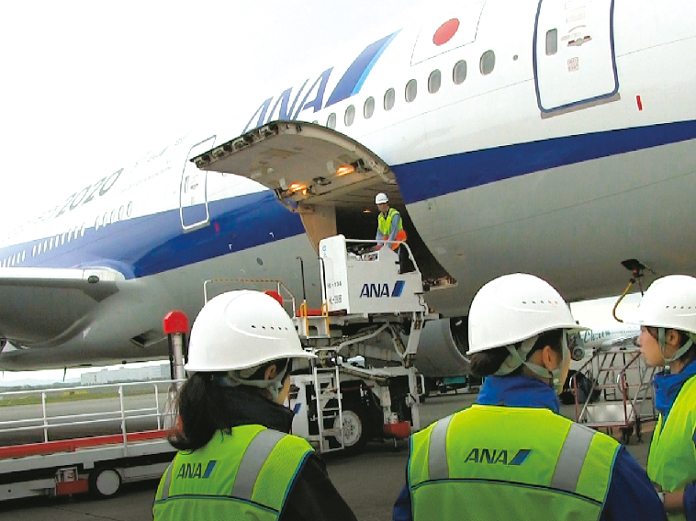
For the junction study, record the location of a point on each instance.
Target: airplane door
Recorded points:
(193, 195)
(574, 61)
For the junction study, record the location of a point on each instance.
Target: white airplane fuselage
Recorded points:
(559, 154)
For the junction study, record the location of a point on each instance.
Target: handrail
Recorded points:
(401, 243)
(49, 424)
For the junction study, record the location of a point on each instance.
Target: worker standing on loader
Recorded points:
(390, 230)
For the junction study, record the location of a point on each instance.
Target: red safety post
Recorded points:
(176, 325)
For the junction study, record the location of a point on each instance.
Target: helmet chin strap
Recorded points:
(518, 357)
(661, 332)
(274, 385)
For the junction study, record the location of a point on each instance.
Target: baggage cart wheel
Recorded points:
(104, 482)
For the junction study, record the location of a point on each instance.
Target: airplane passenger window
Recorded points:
(551, 42)
(82, 231)
(411, 90)
(349, 116)
(120, 213)
(33, 251)
(487, 62)
(331, 122)
(459, 72)
(434, 81)
(369, 107)
(24, 256)
(389, 99)
(129, 209)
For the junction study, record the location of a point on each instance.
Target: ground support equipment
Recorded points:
(621, 378)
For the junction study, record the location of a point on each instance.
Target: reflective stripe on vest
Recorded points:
(672, 456)
(246, 473)
(253, 461)
(467, 464)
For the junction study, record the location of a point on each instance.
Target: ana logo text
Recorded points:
(382, 290)
(497, 456)
(195, 470)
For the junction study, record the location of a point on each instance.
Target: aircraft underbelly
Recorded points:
(631, 205)
(108, 338)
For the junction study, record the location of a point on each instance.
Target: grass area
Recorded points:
(67, 396)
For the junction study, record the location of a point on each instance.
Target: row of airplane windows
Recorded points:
(74, 233)
(459, 73)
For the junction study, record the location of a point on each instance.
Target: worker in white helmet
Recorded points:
(390, 230)
(667, 318)
(511, 455)
(236, 459)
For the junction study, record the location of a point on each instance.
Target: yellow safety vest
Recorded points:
(489, 463)
(243, 475)
(384, 225)
(672, 456)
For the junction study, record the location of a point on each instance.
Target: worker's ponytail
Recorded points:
(201, 411)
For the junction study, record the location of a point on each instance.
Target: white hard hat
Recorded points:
(513, 308)
(381, 198)
(670, 302)
(239, 330)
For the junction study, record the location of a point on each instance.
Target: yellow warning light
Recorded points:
(345, 170)
(296, 187)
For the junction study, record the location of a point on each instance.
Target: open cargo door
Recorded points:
(328, 178)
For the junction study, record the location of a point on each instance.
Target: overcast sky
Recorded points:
(87, 86)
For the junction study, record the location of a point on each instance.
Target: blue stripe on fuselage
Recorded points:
(434, 177)
(155, 243)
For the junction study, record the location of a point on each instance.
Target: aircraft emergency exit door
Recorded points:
(574, 60)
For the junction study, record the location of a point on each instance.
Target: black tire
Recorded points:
(356, 428)
(104, 482)
(567, 396)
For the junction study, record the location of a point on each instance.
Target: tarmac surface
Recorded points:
(369, 482)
